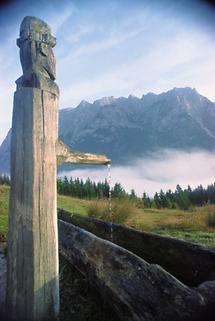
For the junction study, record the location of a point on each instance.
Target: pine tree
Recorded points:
(146, 200)
(118, 191)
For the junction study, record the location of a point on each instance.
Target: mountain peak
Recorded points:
(183, 90)
(148, 95)
(105, 101)
(84, 103)
(132, 97)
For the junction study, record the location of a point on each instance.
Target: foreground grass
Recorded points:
(188, 225)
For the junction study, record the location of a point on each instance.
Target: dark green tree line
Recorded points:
(89, 189)
(180, 198)
(4, 180)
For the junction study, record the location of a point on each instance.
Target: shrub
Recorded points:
(99, 209)
(210, 215)
(122, 209)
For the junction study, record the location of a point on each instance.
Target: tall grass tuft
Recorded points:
(99, 209)
(210, 215)
(122, 209)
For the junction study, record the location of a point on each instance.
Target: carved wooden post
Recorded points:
(32, 278)
(32, 283)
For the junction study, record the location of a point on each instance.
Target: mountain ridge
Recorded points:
(127, 128)
(131, 96)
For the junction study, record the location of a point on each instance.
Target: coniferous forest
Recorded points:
(180, 198)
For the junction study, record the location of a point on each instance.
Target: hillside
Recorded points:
(126, 128)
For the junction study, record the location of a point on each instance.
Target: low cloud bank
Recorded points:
(162, 170)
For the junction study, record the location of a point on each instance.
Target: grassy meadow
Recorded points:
(196, 225)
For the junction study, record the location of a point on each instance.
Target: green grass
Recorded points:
(121, 210)
(74, 205)
(200, 237)
(187, 225)
(4, 195)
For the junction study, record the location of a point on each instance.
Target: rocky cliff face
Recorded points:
(125, 128)
(5, 154)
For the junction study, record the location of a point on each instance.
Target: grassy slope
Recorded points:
(72, 204)
(184, 225)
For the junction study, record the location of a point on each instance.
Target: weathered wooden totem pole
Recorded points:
(32, 277)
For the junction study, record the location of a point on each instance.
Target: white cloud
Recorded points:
(101, 45)
(57, 19)
(169, 64)
(163, 170)
(83, 30)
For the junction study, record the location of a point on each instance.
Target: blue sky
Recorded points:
(114, 48)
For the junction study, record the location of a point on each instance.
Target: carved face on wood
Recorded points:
(36, 54)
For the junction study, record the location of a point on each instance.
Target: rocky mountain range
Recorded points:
(127, 128)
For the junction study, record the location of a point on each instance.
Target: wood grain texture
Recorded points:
(32, 282)
(136, 290)
(190, 263)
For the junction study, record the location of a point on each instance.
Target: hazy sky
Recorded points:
(114, 47)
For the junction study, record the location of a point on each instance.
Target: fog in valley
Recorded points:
(161, 170)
